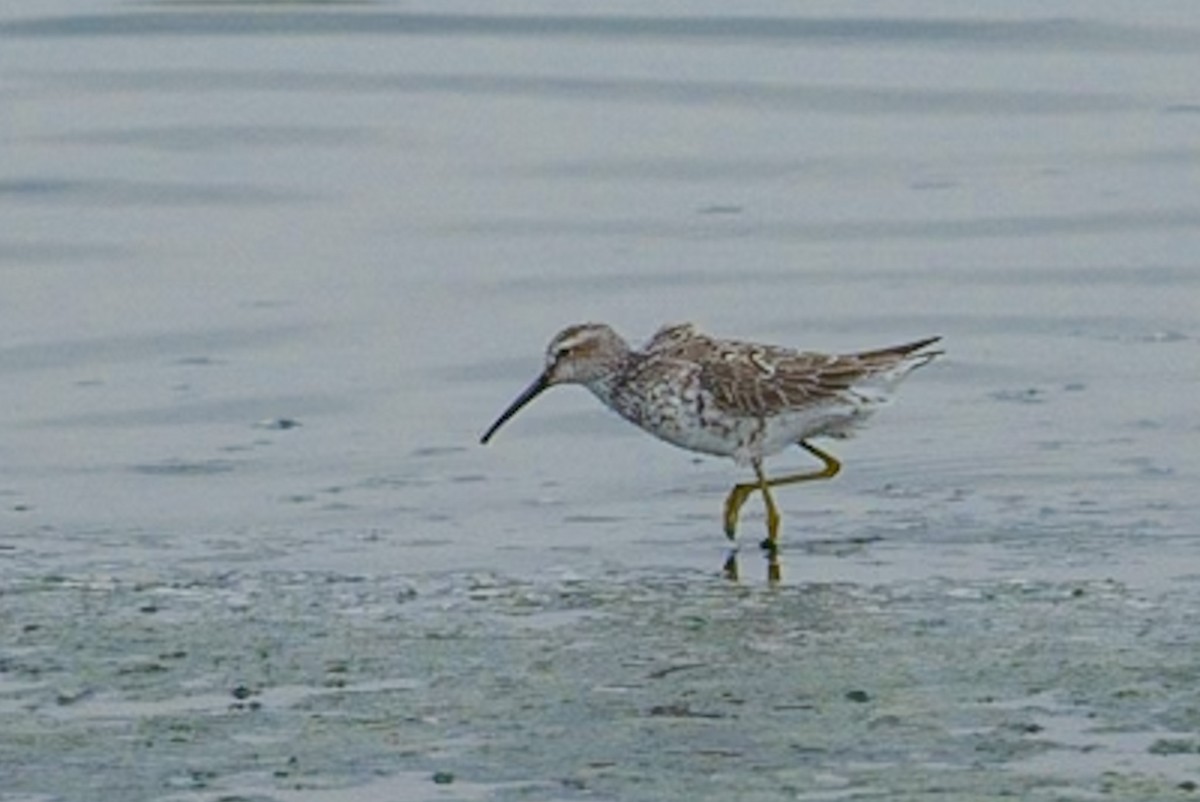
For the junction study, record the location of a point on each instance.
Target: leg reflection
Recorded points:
(731, 570)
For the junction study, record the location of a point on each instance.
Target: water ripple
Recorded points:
(44, 253)
(216, 137)
(1038, 225)
(138, 193)
(828, 98)
(1048, 34)
(100, 349)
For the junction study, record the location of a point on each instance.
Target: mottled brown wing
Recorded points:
(674, 337)
(760, 380)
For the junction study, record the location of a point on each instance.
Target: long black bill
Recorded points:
(531, 392)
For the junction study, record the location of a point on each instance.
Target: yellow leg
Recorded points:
(774, 572)
(769, 502)
(740, 492)
(733, 505)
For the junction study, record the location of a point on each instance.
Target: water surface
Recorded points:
(271, 268)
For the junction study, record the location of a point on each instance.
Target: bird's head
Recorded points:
(586, 353)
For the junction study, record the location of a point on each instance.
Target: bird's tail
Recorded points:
(890, 365)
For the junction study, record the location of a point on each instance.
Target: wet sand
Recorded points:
(270, 272)
(634, 685)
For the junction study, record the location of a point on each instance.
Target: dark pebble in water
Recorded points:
(436, 451)
(278, 424)
(1164, 337)
(70, 697)
(179, 468)
(858, 696)
(1175, 746)
(443, 777)
(1029, 395)
(242, 692)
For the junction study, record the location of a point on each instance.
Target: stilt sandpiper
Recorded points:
(725, 397)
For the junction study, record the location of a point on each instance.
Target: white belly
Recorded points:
(699, 427)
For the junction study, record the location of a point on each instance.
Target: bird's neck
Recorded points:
(611, 383)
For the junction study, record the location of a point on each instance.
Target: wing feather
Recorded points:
(765, 381)
(752, 380)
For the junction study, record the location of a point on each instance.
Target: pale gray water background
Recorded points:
(367, 219)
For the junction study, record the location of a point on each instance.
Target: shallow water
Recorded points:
(272, 268)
